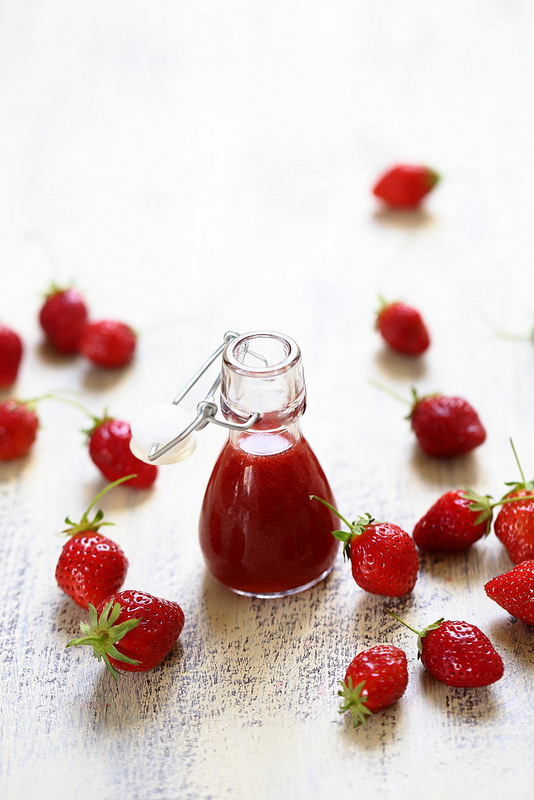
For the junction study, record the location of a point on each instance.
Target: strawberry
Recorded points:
(63, 317)
(11, 349)
(445, 426)
(109, 448)
(514, 524)
(383, 556)
(514, 591)
(457, 653)
(132, 630)
(405, 185)
(18, 428)
(454, 522)
(402, 327)
(108, 343)
(91, 566)
(375, 679)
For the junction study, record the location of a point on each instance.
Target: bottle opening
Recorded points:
(262, 351)
(262, 372)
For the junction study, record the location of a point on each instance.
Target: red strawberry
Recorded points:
(403, 328)
(108, 343)
(91, 566)
(375, 679)
(383, 557)
(445, 426)
(132, 631)
(454, 522)
(514, 524)
(514, 591)
(18, 429)
(63, 317)
(11, 349)
(457, 653)
(109, 448)
(405, 185)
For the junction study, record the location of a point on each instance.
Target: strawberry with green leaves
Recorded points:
(445, 426)
(375, 679)
(457, 519)
(457, 653)
(383, 556)
(514, 524)
(91, 566)
(131, 631)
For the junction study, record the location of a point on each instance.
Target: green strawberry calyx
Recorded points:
(354, 701)
(420, 634)
(97, 422)
(432, 177)
(86, 524)
(102, 634)
(356, 528)
(482, 504)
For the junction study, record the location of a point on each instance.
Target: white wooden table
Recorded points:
(195, 167)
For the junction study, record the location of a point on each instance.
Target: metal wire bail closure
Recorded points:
(206, 408)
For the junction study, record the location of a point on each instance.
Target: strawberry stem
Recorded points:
(518, 463)
(392, 392)
(355, 528)
(85, 524)
(331, 507)
(420, 634)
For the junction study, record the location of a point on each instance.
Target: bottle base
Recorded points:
(285, 592)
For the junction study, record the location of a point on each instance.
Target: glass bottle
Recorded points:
(260, 533)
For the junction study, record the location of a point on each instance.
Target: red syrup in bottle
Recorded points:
(260, 533)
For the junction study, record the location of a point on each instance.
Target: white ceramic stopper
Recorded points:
(159, 424)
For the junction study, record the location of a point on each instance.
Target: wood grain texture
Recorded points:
(200, 167)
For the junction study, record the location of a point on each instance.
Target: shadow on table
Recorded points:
(132, 702)
(399, 367)
(409, 219)
(462, 706)
(460, 471)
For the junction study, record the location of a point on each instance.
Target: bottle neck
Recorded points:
(262, 373)
(266, 442)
